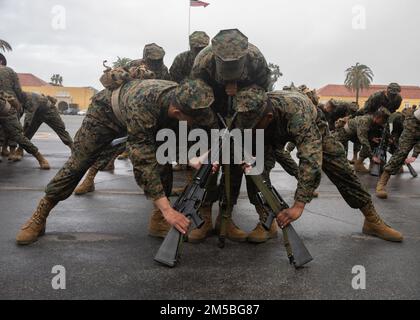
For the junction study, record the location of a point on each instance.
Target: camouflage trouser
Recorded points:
(108, 155)
(343, 137)
(13, 130)
(92, 141)
(49, 116)
(286, 161)
(337, 168)
(409, 139)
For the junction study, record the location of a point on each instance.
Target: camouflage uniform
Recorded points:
(410, 139)
(230, 47)
(392, 103)
(342, 109)
(39, 109)
(12, 127)
(153, 59)
(144, 106)
(9, 83)
(357, 131)
(255, 68)
(298, 121)
(182, 66)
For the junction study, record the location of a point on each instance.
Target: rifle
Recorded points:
(273, 203)
(380, 152)
(412, 171)
(189, 204)
(226, 206)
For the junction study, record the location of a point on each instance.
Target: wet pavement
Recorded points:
(101, 240)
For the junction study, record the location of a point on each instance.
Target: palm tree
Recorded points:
(5, 46)
(275, 75)
(121, 62)
(358, 77)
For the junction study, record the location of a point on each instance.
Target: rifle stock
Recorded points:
(412, 170)
(273, 203)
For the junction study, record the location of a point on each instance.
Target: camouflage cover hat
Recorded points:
(230, 45)
(194, 98)
(199, 39)
(251, 104)
(153, 52)
(394, 88)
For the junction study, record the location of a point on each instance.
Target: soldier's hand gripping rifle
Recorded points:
(380, 152)
(189, 204)
(273, 204)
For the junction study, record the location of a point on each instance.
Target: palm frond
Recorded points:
(5, 46)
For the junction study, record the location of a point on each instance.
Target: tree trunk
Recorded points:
(357, 96)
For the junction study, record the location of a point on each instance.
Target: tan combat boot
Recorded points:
(17, 155)
(259, 234)
(158, 227)
(88, 185)
(11, 154)
(375, 226)
(199, 235)
(35, 226)
(381, 192)
(360, 167)
(233, 233)
(43, 163)
(123, 156)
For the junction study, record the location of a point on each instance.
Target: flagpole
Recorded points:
(189, 21)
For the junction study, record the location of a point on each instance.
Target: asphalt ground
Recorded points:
(101, 240)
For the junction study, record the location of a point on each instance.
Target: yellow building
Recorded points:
(76, 97)
(410, 94)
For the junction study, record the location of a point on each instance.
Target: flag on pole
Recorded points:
(197, 3)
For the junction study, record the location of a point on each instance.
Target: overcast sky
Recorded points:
(313, 41)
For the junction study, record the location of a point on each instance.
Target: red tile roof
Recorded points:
(29, 80)
(337, 90)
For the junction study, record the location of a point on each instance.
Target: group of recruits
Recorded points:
(207, 78)
(38, 109)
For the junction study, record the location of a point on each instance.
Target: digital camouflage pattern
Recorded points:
(199, 39)
(230, 45)
(380, 99)
(297, 120)
(160, 70)
(182, 66)
(12, 127)
(410, 139)
(153, 52)
(357, 131)
(256, 70)
(342, 109)
(39, 109)
(9, 83)
(144, 106)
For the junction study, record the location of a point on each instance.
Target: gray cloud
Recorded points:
(312, 41)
